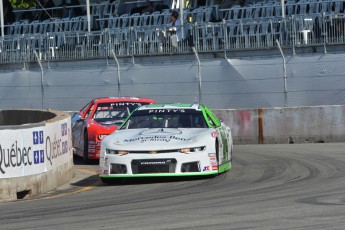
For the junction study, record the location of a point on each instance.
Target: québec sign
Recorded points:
(34, 150)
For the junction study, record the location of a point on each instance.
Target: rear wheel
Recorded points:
(86, 148)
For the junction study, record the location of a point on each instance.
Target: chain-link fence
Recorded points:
(315, 79)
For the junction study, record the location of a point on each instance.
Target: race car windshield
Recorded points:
(114, 113)
(166, 118)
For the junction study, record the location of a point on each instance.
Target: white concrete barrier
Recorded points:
(35, 152)
(286, 125)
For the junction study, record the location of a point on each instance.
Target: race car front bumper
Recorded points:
(160, 165)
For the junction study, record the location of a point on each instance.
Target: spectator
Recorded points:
(70, 12)
(174, 28)
(9, 16)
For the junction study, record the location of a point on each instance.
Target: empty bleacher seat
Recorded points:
(156, 18)
(134, 20)
(113, 21)
(124, 21)
(145, 19)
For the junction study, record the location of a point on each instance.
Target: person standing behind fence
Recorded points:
(174, 28)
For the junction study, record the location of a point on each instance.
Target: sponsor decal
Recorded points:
(55, 148)
(38, 137)
(214, 168)
(213, 163)
(206, 168)
(14, 157)
(41, 150)
(125, 104)
(38, 140)
(161, 131)
(213, 159)
(153, 163)
(167, 111)
(38, 157)
(63, 129)
(156, 138)
(212, 155)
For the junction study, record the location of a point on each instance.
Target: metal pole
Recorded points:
(284, 66)
(324, 32)
(118, 74)
(88, 16)
(283, 8)
(294, 34)
(2, 22)
(181, 5)
(199, 73)
(42, 72)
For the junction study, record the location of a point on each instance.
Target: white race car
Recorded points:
(167, 140)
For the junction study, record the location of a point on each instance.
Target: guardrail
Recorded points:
(237, 35)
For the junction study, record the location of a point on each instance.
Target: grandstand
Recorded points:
(233, 54)
(211, 27)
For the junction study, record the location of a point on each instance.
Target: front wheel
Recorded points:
(86, 148)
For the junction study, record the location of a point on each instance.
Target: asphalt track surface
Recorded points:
(299, 186)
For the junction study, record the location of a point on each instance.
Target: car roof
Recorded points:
(123, 99)
(171, 106)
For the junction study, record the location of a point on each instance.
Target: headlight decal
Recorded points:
(182, 150)
(117, 152)
(192, 150)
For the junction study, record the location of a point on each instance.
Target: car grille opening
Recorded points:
(153, 166)
(118, 169)
(190, 167)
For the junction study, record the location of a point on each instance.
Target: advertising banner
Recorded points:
(35, 150)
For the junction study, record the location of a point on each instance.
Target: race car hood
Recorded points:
(101, 127)
(158, 138)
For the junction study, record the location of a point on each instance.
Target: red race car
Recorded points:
(99, 118)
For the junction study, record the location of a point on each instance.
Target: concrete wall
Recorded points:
(286, 125)
(36, 154)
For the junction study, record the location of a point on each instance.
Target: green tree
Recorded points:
(23, 3)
